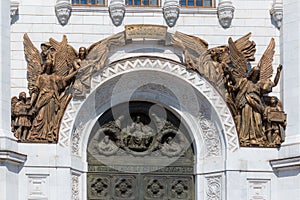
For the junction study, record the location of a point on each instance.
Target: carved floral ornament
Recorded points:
(259, 118)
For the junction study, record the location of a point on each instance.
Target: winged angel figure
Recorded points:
(49, 75)
(210, 63)
(248, 88)
(242, 87)
(91, 60)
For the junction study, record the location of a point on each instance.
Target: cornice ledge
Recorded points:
(145, 10)
(286, 163)
(12, 157)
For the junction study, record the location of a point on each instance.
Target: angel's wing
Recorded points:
(97, 55)
(54, 43)
(64, 58)
(195, 44)
(34, 62)
(243, 45)
(265, 63)
(246, 46)
(238, 60)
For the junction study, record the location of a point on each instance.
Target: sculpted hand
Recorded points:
(279, 68)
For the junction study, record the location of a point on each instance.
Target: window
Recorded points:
(88, 2)
(145, 3)
(196, 3)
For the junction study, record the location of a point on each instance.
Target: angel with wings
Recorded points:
(248, 89)
(209, 63)
(48, 82)
(91, 60)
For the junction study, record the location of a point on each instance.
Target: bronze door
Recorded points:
(144, 156)
(116, 186)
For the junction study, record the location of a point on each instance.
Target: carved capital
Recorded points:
(225, 13)
(63, 11)
(117, 11)
(171, 10)
(276, 13)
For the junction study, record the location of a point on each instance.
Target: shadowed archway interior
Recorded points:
(140, 150)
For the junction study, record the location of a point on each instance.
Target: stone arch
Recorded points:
(159, 65)
(214, 134)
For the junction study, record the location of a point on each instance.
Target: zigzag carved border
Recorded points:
(162, 64)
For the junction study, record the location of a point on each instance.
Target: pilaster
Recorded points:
(10, 160)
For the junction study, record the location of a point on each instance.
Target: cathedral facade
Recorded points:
(112, 99)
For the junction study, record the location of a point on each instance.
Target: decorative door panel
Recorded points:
(140, 156)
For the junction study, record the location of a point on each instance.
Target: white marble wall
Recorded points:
(88, 25)
(4, 68)
(10, 160)
(49, 169)
(290, 57)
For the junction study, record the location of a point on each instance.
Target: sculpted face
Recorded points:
(63, 14)
(22, 96)
(171, 14)
(117, 14)
(225, 17)
(82, 53)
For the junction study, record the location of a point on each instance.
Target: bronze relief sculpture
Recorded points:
(259, 122)
(49, 76)
(138, 138)
(54, 76)
(60, 73)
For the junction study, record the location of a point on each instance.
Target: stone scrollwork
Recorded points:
(171, 10)
(214, 188)
(225, 13)
(76, 139)
(211, 137)
(75, 187)
(117, 11)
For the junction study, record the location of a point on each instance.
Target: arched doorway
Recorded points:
(140, 150)
(159, 81)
